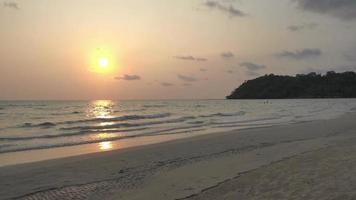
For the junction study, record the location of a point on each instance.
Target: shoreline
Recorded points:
(175, 169)
(53, 145)
(45, 154)
(40, 155)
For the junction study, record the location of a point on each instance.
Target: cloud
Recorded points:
(300, 54)
(11, 4)
(190, 58)
(308, 26)
(252, 66)
(185, 57)
(350, 55)
(227, 55)
(228, 9)
(343, 68)
(252, 73)
(166, 84)
(340, 68)
(342, 9)
(186, 78)
(127, 77)
(187, 84)
(201, 59)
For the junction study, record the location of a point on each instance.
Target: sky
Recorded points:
(159, 49)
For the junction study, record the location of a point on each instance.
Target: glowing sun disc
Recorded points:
(103, 62)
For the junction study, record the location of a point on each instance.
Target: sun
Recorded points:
(103, 62)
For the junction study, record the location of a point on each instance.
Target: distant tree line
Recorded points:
(312, 85)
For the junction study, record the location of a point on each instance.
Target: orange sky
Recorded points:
(159, 49)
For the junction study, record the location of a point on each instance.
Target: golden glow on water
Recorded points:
(106, 123)
(104, 135)
(104, 146)
(101, 109)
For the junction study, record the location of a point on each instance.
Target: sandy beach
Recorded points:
(309, 160)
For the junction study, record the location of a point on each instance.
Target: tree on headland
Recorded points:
(312, 85)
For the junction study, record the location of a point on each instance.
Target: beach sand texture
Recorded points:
(311, 160)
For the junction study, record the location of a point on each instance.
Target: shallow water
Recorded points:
(28, 125)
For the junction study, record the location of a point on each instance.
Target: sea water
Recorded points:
(28, 125)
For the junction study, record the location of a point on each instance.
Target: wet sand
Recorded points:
(311, 160)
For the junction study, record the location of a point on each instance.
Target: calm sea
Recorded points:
(28, 125)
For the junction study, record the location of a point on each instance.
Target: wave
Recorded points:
(67, 134)
(26, 105)
(317, 110)
(121, 118)
(128, 125)
(167, 131)
(63, 144)
(88, 132)
(177, 130)
(129, 110)
(240, 113)
(42, 125)
(97, 120)
(154, 106)
(67, 113)
(196, 122)
(199, 106)
(246, 121)
(245, 126)
(5, 146)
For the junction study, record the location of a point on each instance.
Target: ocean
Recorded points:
(29, 125)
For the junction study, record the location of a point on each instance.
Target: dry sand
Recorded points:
(311, 160)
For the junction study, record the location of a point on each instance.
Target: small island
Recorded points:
(312, 85)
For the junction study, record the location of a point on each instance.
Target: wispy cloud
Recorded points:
(11, 4)
(300, 54)
(252, 66)
(342, 9)
(341, 68)
(166, 84)
(191, 58)
(350, 55)
(186, 78)
(300, 27)
(127, 77)
(187, 84)
(228, 9)
(227, 55)
(252, 73)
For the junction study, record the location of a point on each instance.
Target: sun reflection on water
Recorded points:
(101, 109)
(104, 146)
(106, 123)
